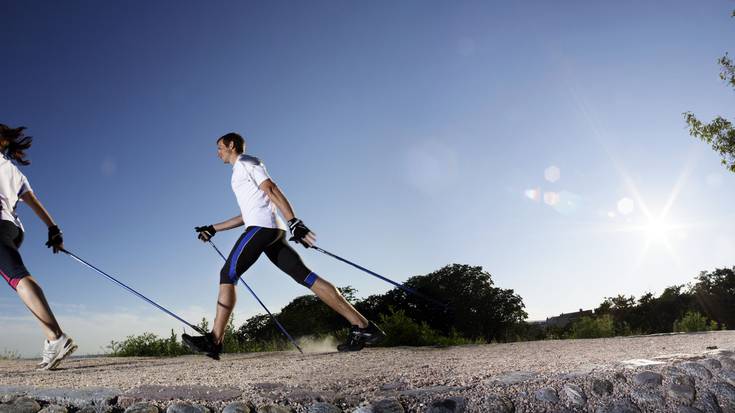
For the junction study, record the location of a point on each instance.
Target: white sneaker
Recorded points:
(55, 351)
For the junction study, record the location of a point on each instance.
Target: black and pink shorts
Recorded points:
(12, 268)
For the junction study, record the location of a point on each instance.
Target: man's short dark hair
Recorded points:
(234, 138)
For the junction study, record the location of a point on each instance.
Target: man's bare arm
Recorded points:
(275, 194)
(300, 232)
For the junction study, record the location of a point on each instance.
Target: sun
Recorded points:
(657, 230)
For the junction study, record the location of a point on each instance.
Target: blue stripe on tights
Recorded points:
(310, 279)
(236, 256)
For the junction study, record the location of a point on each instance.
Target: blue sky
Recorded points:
(407, 135)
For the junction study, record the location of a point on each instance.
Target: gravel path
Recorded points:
(515, 373)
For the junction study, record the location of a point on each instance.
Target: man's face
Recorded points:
(223, 151)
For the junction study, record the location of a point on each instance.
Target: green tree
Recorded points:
(477, 309)
(692, 321)
(306, 315)
(593, 327)
(258, 328)
(147, 344)
(230, 344)
(719, 132)
(621, 309)
(714, 295)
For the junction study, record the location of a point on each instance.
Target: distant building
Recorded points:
(564, 320)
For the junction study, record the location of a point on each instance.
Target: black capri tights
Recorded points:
(272, 241)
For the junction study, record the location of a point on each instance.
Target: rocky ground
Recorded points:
(661, 373)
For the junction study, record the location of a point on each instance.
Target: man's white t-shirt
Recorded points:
(13, 184)
(248, 172)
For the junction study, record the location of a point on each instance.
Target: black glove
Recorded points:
(299, 231)
(55, 240)
(205, 233)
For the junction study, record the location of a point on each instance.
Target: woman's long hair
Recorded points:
(14, 143)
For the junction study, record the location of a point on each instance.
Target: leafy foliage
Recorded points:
(481, 313)
(704, 305)
(593, 327)
(402, 330)
(719, 132)
(476, 308)
(692, 321)
(148, 344)
(9, 355)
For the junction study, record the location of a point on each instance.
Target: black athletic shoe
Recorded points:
(203, 344)
(359, 337)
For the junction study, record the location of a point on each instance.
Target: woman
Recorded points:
(14, 187)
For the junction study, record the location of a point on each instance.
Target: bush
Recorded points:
(693, 321)
(147, 345)
(402, 330)
(589, 327)
(9, 355)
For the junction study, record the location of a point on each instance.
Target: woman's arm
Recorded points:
(55, 240)
(233, 222)
(37, 207)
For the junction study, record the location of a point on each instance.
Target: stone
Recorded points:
(237, 407)
(673, 371)
(728, 363)
(647, 398)
(274, 408)
(696, 370)
(575, 394)
(728, 376)
(496, 404)
(21, 405)
(725, 394)
(320, 408)
(711, 364)
(142, 408)
(95, 409)
(547, 395)
(601, 387)
(450, 405)
(186, 407)
(54, 408)
(26, 404)
(97, 396)
(648, 378)
(345, 399)
(688, 409)
(682, 393)
(162, 393)
(397, 385)
(618, 406)
(683, 379)
(387, 406)
(10, 393)
(707, 403)
(303, 396)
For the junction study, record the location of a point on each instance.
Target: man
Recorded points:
(265, 232)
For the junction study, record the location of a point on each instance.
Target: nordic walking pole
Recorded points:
(401, 286)
(283, 330)
(113, 279)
